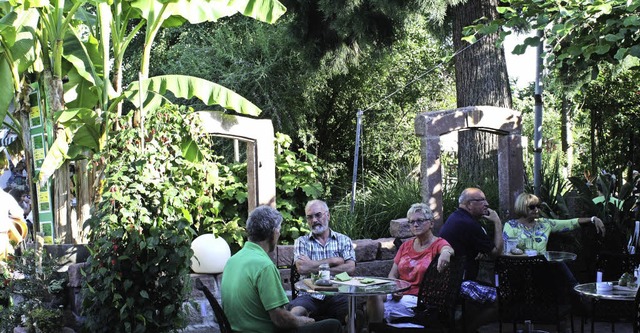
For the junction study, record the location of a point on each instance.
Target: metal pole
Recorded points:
(537, 130)
(355, 160)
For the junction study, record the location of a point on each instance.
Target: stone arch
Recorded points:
(507, 123)
(259, 137)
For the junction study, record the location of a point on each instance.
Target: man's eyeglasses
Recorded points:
(418, 221)
(478, 200)
(317, 215)
(533, 207)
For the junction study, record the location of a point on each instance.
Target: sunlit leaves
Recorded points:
(578, 35)
(188, 87)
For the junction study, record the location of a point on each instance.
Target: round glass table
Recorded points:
(353, 289)
(615, 293)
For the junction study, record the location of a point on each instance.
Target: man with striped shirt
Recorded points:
(322, 246)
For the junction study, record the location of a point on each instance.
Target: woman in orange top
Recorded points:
(410, 264)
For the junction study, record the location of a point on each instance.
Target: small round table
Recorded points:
(616, 294)
(382, 286)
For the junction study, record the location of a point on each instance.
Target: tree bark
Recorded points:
(83, 198)
(481, 79)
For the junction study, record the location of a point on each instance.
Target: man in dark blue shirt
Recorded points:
(465, 233)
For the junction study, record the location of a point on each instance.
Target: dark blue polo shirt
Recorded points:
(467, 237)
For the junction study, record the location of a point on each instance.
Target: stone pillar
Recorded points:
(510, 183)
(429, 126)
(431, 177)
(259, 137)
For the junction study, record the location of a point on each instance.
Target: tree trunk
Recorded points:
(567, 130)
(481, 79)
(83, 197)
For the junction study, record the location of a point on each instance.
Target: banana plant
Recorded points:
(113, 19)
(17, 54)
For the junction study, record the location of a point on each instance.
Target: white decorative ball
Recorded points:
(210, 254)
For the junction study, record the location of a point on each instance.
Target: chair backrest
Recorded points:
(221, 318)
(294, 277)
(439, 291)
(636, 322)
(526, 290)
(613, 265)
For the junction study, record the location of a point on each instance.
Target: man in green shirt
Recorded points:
(252, 295)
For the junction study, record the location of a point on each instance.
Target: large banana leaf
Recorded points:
(183, 86)
(6, 93)
(82, 128)
(265, 11)
(207, 10)
(56, 155)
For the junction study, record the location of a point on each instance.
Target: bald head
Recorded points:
(473, 201)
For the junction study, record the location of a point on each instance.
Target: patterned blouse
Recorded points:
(537, 236)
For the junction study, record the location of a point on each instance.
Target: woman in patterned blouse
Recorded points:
(532, 231)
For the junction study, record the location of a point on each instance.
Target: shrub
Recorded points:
(38, 295)
(388, 196)
(140, 236)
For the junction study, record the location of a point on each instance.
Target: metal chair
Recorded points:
(636, 322)
(437, 300)
(294, 277)
(221, 318)
(526, 291)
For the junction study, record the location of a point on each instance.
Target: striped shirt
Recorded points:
(338, 245)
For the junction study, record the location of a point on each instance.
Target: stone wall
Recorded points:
(373, 257)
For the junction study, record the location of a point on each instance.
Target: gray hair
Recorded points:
(319, 202)
(420, 208)
(262, 223)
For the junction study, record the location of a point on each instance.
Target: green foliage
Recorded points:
(138, 274)
(387, 196)
(312, 101)
(553, 187)
(619, 220)
(38, 296)
(43, 320)
(579, 35)
(611, 105)
(298, 181)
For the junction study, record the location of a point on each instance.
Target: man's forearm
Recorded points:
(308, 266)
(286, 320)
(497, 239)
(349, 267)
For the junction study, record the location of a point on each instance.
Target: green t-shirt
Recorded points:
(537, 237)
(250, 288)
